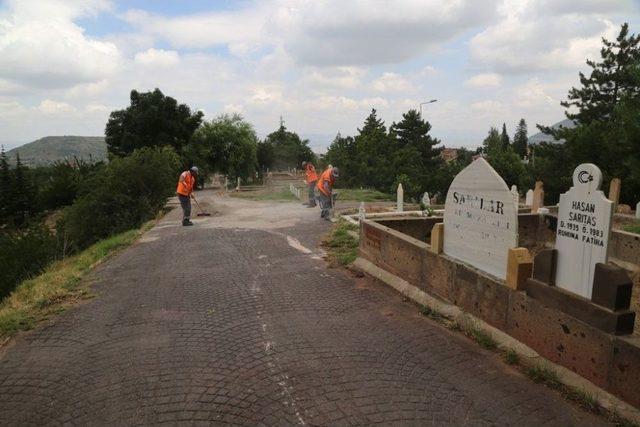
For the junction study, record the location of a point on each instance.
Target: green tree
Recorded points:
(151, 120)
(343, 153)
(416, 157)
(503, 158)
(266, 156)
(5, 188)
(227, 144)
(520, 139)
(609, 81)
(289, 151)
(374, 150)
(504, 136)
(603, 108)
(22, 194)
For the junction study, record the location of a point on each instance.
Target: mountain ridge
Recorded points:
(50, 149)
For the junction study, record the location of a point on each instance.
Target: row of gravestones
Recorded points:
(481, 224)
(535, 198)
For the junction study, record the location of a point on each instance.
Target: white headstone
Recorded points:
(516, 196)
(238, 186)
(638, 210)
(529, 198)
(361, 212)
(425, 199)
(584, 226)
(480, 219)
(400, 198)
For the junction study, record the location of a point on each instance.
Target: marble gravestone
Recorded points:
(425, 199)
(516, 196)
(584, 227)
(400, 198)
(480, 219)
(638, 210)
(529, 198)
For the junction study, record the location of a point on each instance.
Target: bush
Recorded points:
(123, 195)
(23, 254)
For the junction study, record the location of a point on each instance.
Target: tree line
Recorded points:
(605, 109)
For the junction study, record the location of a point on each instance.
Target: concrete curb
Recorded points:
(467, 322)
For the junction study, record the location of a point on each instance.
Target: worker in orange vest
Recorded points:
(185, 191)
(312, 179)
(325, 191)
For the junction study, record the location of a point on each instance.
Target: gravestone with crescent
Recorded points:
(480, 219)
(529, 198)
(584, 227)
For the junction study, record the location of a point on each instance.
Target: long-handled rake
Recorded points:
(202, 212)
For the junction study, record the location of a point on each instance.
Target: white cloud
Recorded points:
(48, 106)
(40, 46)
(11, 109)
(157, 58)
(333, 77)
(392, 82)
(481, 81)
(239, 28)
(97, 109)
(546, 35)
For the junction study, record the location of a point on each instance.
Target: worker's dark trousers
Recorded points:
(325, 205)
(312, 193)
(185, 202)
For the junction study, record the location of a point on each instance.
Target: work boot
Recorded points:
(186, 222)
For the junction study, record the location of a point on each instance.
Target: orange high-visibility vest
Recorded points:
(325, 177)
(310, 171)
(185, 184)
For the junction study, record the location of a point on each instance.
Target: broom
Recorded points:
(202, 212)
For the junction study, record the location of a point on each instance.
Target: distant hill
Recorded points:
(543, 137)
(50, 149)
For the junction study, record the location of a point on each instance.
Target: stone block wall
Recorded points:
(610, 362)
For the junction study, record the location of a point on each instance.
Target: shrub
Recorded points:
(24, 253)
(124, 194)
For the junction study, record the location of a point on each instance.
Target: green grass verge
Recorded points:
(279, 196)
(342, 247)
(37, 298)
(632, 228)
(363, 195)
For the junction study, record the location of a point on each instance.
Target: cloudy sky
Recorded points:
(322, 65)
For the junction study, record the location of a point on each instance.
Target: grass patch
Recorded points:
(632, 228)
(278, 196)
(342, 247)
(37, 298)
(511, 357)
(430, 313)
(483, 339)
(364, 195)
(543, 375)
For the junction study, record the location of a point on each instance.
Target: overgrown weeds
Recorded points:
(483, 339)
(60, 283)
(511, 357)
(341, 246)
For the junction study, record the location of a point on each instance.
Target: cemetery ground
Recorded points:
(239, 320)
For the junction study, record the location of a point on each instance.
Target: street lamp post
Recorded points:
(426, 102)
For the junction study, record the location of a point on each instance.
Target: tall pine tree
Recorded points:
(5, 188)
(520, 139)
(373, 153)
(504, 137)
(600, 108)
(416, 158)
(609, 81)
(22, 194)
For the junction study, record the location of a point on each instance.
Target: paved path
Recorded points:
(237, 320)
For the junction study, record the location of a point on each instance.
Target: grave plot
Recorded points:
(476, 257)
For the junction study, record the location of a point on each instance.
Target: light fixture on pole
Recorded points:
(426, 102)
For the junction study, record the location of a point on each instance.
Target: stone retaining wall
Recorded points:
(612, 363)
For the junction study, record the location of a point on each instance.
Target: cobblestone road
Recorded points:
(237, 320)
